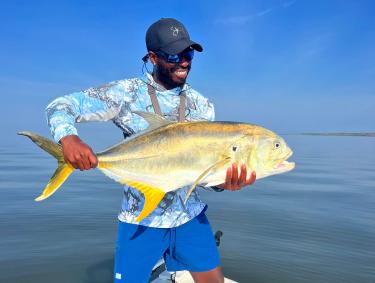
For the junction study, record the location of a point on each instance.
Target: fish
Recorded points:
(170, 155)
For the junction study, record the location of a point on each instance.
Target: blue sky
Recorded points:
(289, 65)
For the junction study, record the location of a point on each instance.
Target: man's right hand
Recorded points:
(77, 153)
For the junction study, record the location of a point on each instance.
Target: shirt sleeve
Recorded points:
(94, 104)
(204, 108)
(209, 110)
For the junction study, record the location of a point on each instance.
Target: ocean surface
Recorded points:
(314, 224)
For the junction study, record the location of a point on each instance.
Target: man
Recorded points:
(180, 233)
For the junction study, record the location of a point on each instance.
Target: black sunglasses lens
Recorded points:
(178, 58)
(188, 55)
(174, 58)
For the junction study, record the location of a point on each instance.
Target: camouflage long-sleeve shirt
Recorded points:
(116, 101)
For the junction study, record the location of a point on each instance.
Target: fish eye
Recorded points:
(277, 145)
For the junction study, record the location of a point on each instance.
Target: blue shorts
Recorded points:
(190, 246)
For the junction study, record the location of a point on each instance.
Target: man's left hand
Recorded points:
(233, 182)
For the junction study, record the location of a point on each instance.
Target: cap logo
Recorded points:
(175, 30)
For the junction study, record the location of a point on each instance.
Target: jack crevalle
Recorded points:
(169, 155)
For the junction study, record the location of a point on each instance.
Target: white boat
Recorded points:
(161, 275)
(176, 277)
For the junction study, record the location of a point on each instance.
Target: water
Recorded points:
(315, 224)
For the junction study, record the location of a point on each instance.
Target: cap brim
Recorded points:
(180, 45)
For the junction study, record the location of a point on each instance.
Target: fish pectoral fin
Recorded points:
(152, 195)
(205, 174)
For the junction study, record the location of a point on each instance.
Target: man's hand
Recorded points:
(233, 182)
(77, 153)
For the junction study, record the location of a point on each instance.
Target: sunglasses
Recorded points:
(178, 58)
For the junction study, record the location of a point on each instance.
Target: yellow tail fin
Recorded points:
(63, 170)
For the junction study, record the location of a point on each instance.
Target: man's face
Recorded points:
(170, 75)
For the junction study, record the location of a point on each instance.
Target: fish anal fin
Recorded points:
(152, 196)
(205, 174)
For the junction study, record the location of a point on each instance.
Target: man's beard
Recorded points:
(164, 75)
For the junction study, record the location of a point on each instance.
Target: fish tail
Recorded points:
(63, 170)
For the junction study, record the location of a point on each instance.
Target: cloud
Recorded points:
(264, 12)
(288, 3)
(313, 45)
(242, 20)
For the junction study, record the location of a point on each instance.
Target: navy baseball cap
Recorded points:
(170, 36)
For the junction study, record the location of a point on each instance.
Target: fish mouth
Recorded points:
(285, 165)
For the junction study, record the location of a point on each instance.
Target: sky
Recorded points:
(289, 65)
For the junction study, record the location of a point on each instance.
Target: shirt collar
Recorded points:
(174, 91)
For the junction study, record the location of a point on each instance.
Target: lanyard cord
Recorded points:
(155, 103)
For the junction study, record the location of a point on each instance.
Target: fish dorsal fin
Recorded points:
(154, 121)
(152, 195)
